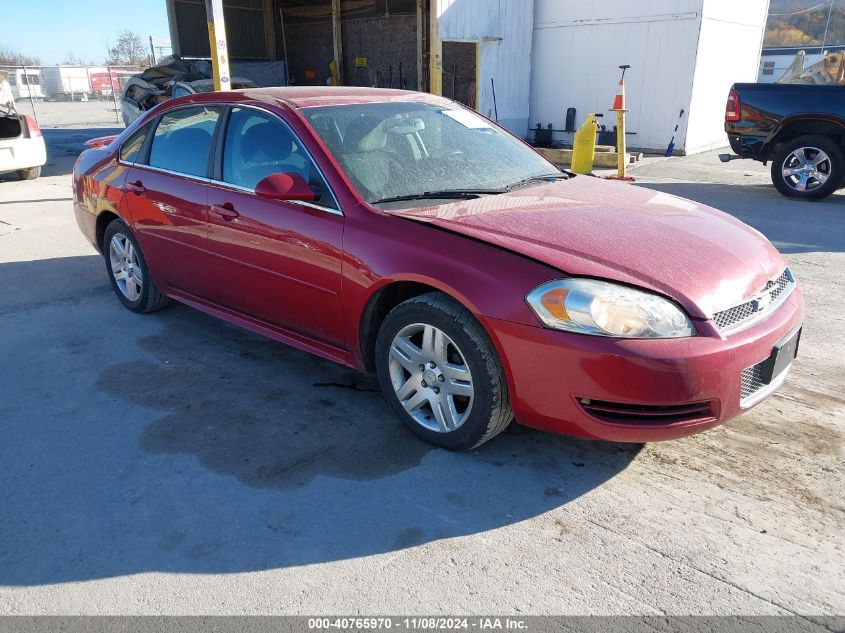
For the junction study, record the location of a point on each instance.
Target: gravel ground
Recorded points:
(175, 464)
(73, 114)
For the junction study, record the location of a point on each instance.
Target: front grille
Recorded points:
(770, 297)
(752, 381)
(753, 389)
(622, 413)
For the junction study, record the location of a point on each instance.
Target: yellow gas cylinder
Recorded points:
(584, 146)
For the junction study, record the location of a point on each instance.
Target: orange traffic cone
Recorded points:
(620, 109)
(619, 101)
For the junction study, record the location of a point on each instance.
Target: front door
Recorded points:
(167, 194)
(278, 262)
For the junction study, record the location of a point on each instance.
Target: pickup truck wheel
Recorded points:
(441, 374)
(808, 168)
(127, 270)
(29, 174)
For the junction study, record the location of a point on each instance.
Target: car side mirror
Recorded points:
(285, 186)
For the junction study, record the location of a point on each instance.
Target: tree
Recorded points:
(74, 60)
(11, 57)
(804, 22)
(128, 49)
(781, 35)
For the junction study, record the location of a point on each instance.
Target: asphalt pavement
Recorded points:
(175, 464)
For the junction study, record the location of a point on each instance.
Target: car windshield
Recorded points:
(402, 151)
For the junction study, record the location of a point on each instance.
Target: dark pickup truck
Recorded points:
(800, 128)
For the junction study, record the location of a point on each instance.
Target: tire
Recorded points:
(466, 363)
(31, 173)
(127, 270)
(814, 181)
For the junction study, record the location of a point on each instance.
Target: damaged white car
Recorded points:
(176, 78)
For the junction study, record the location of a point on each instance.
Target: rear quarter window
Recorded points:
(131, 147)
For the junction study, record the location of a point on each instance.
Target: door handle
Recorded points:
(225, 211)
(136, 187)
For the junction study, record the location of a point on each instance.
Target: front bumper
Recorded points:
(551, 372)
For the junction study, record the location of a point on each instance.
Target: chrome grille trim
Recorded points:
(752, 387)
(758, 307)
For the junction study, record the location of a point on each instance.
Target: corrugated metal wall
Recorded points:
(246, 31)
(503, 29)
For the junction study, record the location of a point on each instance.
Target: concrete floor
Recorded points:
(175, 464)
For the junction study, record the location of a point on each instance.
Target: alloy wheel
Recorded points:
(806, 169)
(125, 267)
(431, 378)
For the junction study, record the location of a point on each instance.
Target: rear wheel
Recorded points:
(440, 373)
(127, 270)
(31, 173)
(808, 168)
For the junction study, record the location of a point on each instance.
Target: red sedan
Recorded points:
(402, 233)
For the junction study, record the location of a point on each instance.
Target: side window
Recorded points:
(258, 145)
(182, 140)
(131, 146)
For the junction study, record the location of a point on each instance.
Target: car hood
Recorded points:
(705, 259)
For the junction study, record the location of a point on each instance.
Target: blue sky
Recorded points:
(50, 29)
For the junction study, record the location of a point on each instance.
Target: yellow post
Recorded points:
(621, 110)
(620, 143)
(217, 41)
(584, 146)
(435, 46)
(337, 74)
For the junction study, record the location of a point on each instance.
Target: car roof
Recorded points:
(311, 96)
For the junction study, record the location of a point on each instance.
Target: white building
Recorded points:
(775, 61)
(684, 54)
(502, 33)
(539, 57)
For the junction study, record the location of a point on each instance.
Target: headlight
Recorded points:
(589, 306)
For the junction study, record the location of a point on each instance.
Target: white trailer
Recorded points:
(685, 54)
(66, 83)
(25, 84)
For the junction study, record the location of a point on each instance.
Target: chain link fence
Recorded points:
(67, 96)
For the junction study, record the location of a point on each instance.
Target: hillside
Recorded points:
(807, 28)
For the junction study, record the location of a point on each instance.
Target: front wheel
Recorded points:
(808, 168)
(441, 374)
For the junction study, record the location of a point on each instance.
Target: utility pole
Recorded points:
(113, 79)
(827, 26)
(152, 51)
(217, 41)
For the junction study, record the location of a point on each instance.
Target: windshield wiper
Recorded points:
(560, 175)
(446, 194)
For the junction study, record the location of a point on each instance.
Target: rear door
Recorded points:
(167, 189)
(276, 261)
